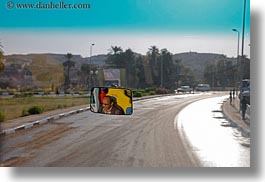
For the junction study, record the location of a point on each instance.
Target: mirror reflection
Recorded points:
(114, 101)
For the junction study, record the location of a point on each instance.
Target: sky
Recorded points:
(178, 25)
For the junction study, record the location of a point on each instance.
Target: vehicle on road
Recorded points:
(202, 87)
(245, 85)
(184, 89)
(245, 90)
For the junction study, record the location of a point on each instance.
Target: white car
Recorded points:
(184, 89)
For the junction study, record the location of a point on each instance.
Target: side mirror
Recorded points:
(114, 101)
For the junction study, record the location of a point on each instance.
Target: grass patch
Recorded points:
(2, 116)
(14, 107)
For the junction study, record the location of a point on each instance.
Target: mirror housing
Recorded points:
(108, 100)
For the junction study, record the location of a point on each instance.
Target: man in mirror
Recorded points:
(109, 106)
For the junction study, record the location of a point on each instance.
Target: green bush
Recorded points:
(25, 112)
(35, 110)
(137, 94)
(151, 89)
(152, 92)
(2, 116)
(59, 106)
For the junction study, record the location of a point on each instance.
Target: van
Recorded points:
(245, 90)
(202, 87)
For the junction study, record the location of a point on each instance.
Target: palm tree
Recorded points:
(115, 50)
(68, 65)
(153, 55)
(85, 72)
(153, 52)
(128, 62)
(168, 69)
(115, 57)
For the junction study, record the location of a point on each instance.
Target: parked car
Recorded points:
(245, 85)
(202, 87)
(184, 89)
(245, 90)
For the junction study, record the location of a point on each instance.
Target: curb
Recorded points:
(41, 121)
(245, 132)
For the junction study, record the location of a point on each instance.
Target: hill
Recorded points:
(197, 61)
(42, 68)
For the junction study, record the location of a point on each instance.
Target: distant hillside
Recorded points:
(79, 60)
(197, 61)
(44, 69)
(99, 60)
(48, 68)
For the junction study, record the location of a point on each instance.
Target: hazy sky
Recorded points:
(178, 25)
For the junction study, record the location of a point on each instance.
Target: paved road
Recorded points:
(217, 142)
(145, 139)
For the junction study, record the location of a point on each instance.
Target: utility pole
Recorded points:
(238, 77)
(161, 70)
(242, 50)
(243, 35)
(90, 75)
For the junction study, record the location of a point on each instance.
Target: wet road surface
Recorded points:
(211, 137)
(145, 139)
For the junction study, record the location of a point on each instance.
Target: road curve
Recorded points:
(145, 139)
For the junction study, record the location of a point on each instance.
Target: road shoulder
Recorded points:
(232, 113)
(11, 126)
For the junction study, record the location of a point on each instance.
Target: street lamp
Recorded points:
(238, 37)
(90, 64)
(91, 52)
(161, 71)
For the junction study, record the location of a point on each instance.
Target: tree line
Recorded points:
(155, 69)
(158, 69)
(227, 73)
